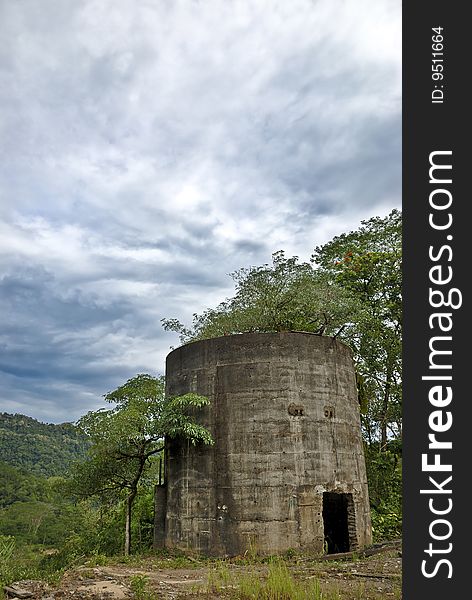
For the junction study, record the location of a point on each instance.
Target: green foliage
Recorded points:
(70, 530)
(139, 586)
(93, 535)
(143, 519)
(366, 263)
(19, 562)
(285, 296)
(24, 519)
(17, 485)
(126, 439)
(384, 475)
(386, 524)
(33, 509)
(45, 523)
(143, 416)
(40, 448)
(7, 546)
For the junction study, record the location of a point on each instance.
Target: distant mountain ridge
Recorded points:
(41, 448)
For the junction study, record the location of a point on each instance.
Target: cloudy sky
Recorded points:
(150, 148)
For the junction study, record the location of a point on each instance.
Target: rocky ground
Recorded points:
(349, 577)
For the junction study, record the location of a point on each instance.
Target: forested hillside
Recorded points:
(40, 448)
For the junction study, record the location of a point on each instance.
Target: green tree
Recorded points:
(367, 264)
(351, 289)
(285, 296)
(125, 438)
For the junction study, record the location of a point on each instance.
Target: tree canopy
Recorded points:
(287, 295)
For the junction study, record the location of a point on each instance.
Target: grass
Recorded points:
(277, 584)
(139, 587)
(97, 560)
(24, 562)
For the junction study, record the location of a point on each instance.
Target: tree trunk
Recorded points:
(130, 499)
(385, 409)
(129, 506)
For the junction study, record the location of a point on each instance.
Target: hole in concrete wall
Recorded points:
(161, 478)
(335, 521)
(295, 410)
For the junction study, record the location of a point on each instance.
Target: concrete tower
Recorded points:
(287, 469)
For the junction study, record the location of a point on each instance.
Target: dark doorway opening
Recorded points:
(335, 521)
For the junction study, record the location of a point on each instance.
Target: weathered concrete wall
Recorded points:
(160, 494)
(285, 418)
